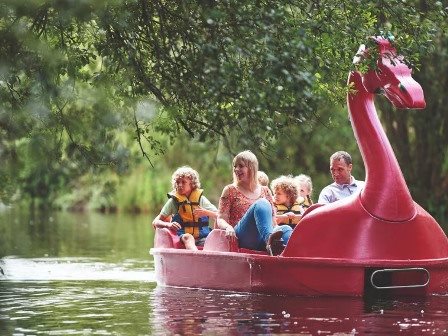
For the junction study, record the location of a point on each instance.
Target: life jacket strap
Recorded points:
(193, 224)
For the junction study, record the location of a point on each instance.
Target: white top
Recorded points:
(334, 192)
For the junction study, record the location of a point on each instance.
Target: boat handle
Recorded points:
(391, 270)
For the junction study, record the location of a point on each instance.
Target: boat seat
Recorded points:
(166, 238)
(217, 241)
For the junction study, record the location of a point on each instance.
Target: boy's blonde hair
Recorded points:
(306, 180)
(263, 178)
(288, 185)
(249, 160)
(188, 172)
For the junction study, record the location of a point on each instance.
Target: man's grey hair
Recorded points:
(341, 155)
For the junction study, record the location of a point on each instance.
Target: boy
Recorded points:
(285, 190)
(187, 211)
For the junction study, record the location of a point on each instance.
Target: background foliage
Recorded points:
(100, 95)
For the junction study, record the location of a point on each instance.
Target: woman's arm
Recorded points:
(224, 212)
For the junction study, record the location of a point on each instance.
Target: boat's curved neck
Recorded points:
(385, 195)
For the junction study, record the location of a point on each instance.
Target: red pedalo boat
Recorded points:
(380, 241)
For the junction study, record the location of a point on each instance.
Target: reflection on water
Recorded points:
(74, 308)
(110, 237)
(69, 274)
(90, 274)
(196, 311)
(59, 269)
(192, 312)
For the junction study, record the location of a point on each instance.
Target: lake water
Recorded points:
(91, 274)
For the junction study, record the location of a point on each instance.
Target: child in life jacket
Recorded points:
(305, 189)
(263, 178)
(187, 211)
(286, 191)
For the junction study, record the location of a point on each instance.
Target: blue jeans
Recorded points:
(287, 232)
(255, 227)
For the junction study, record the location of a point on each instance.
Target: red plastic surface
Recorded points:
(335, 246)
(383, 222)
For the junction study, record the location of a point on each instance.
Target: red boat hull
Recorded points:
(217, 267)
(379, 240)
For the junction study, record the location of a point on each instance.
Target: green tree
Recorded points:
(241, 72)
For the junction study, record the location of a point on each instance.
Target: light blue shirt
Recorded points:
(334, 192)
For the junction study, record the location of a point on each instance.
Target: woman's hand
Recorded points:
(230, 232)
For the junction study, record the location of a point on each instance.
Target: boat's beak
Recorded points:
(393, 78)
(406, 94)
(398, 85)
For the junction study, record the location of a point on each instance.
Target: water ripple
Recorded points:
(74, 269)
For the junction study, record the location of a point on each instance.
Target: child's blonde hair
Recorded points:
(288, 185)
(263, 178)
(250, 161)
(188, 172)
(306, 180)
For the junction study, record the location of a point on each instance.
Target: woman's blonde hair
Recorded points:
(306, 180)
(288, 185)
(188, 172)
(250, 161)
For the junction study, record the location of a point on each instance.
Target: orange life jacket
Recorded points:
(185, 212)
(295, 208)
(305, 202)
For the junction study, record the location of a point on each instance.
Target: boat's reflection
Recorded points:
(186, 311)
(192, 312)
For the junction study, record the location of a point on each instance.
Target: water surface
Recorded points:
(91, 274)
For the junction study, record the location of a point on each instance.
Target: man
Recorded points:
(344, 183)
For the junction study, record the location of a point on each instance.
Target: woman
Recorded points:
(246, 209)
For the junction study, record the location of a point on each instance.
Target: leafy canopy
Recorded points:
(73, 74)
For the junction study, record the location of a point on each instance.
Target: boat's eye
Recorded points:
(379, 90)
(401, 87)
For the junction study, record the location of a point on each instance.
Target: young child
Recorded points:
(187, 211)
(262, 178)
(289, 212)
(305, 189)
